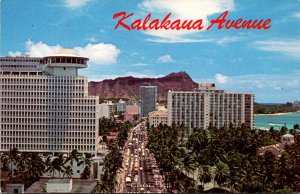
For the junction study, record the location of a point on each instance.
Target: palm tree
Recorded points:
(55, 164)
(12, 157)
(49, 166)
(86, 174)
(189, 163)
(221, 173)
(86, 161)
(74, 156)
(31, 166)
(204, 175)
(104, 187)
(68, 172)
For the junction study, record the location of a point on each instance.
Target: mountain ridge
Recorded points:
(129, 87)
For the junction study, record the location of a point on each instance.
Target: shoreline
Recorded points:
(275, 114)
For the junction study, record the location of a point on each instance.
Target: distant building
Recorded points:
(148, 97)
(62, 186)
(296, 104)
(131, 112)
(121, 106)
(207, 105)
(158, 117)
(107, 109)
(276, 149)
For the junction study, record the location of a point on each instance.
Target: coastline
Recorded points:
(275, 114)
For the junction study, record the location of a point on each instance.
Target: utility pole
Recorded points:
(67, 28)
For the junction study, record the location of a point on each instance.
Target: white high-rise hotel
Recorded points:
(207, 105)
(45, 105)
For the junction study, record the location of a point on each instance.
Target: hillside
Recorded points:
(129, 87)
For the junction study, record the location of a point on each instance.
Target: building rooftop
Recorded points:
(288, 135)
(65, 53)
(59, 181)
(79, 185)
(159, 113)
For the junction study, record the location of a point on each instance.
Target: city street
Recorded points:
(141, 173)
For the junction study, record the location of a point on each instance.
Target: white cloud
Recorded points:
(165, 59)
(227, 39)
(74, 4)
(139, 65)
(99, 53)
(92, 39)
(297, 15)
(184, 10)
(222, 79)
(14, 54)
(40, 49)
(265, 87)
(288, 47)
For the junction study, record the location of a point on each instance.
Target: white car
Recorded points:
(136, 179)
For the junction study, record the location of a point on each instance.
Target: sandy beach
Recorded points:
(275, 114)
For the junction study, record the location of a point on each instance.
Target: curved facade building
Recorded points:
(45, 105)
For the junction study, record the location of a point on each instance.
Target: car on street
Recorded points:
(136, 178)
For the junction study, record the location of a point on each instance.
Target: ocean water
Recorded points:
(277, 121)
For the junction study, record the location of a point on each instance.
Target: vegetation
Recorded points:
(107, 125)
(272, 109)
(114, 159)
(174, 162)
(226, 157)
(26, 167)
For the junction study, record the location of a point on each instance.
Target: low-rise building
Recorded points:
(158, 117)
(276, 149)
(14, 188)
(62, 186)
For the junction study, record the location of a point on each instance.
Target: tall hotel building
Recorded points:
(148, 96)
(45, 105)
(207, 105)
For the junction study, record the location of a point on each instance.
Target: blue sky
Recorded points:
(266, 63)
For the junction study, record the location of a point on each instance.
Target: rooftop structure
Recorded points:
(62, 186)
